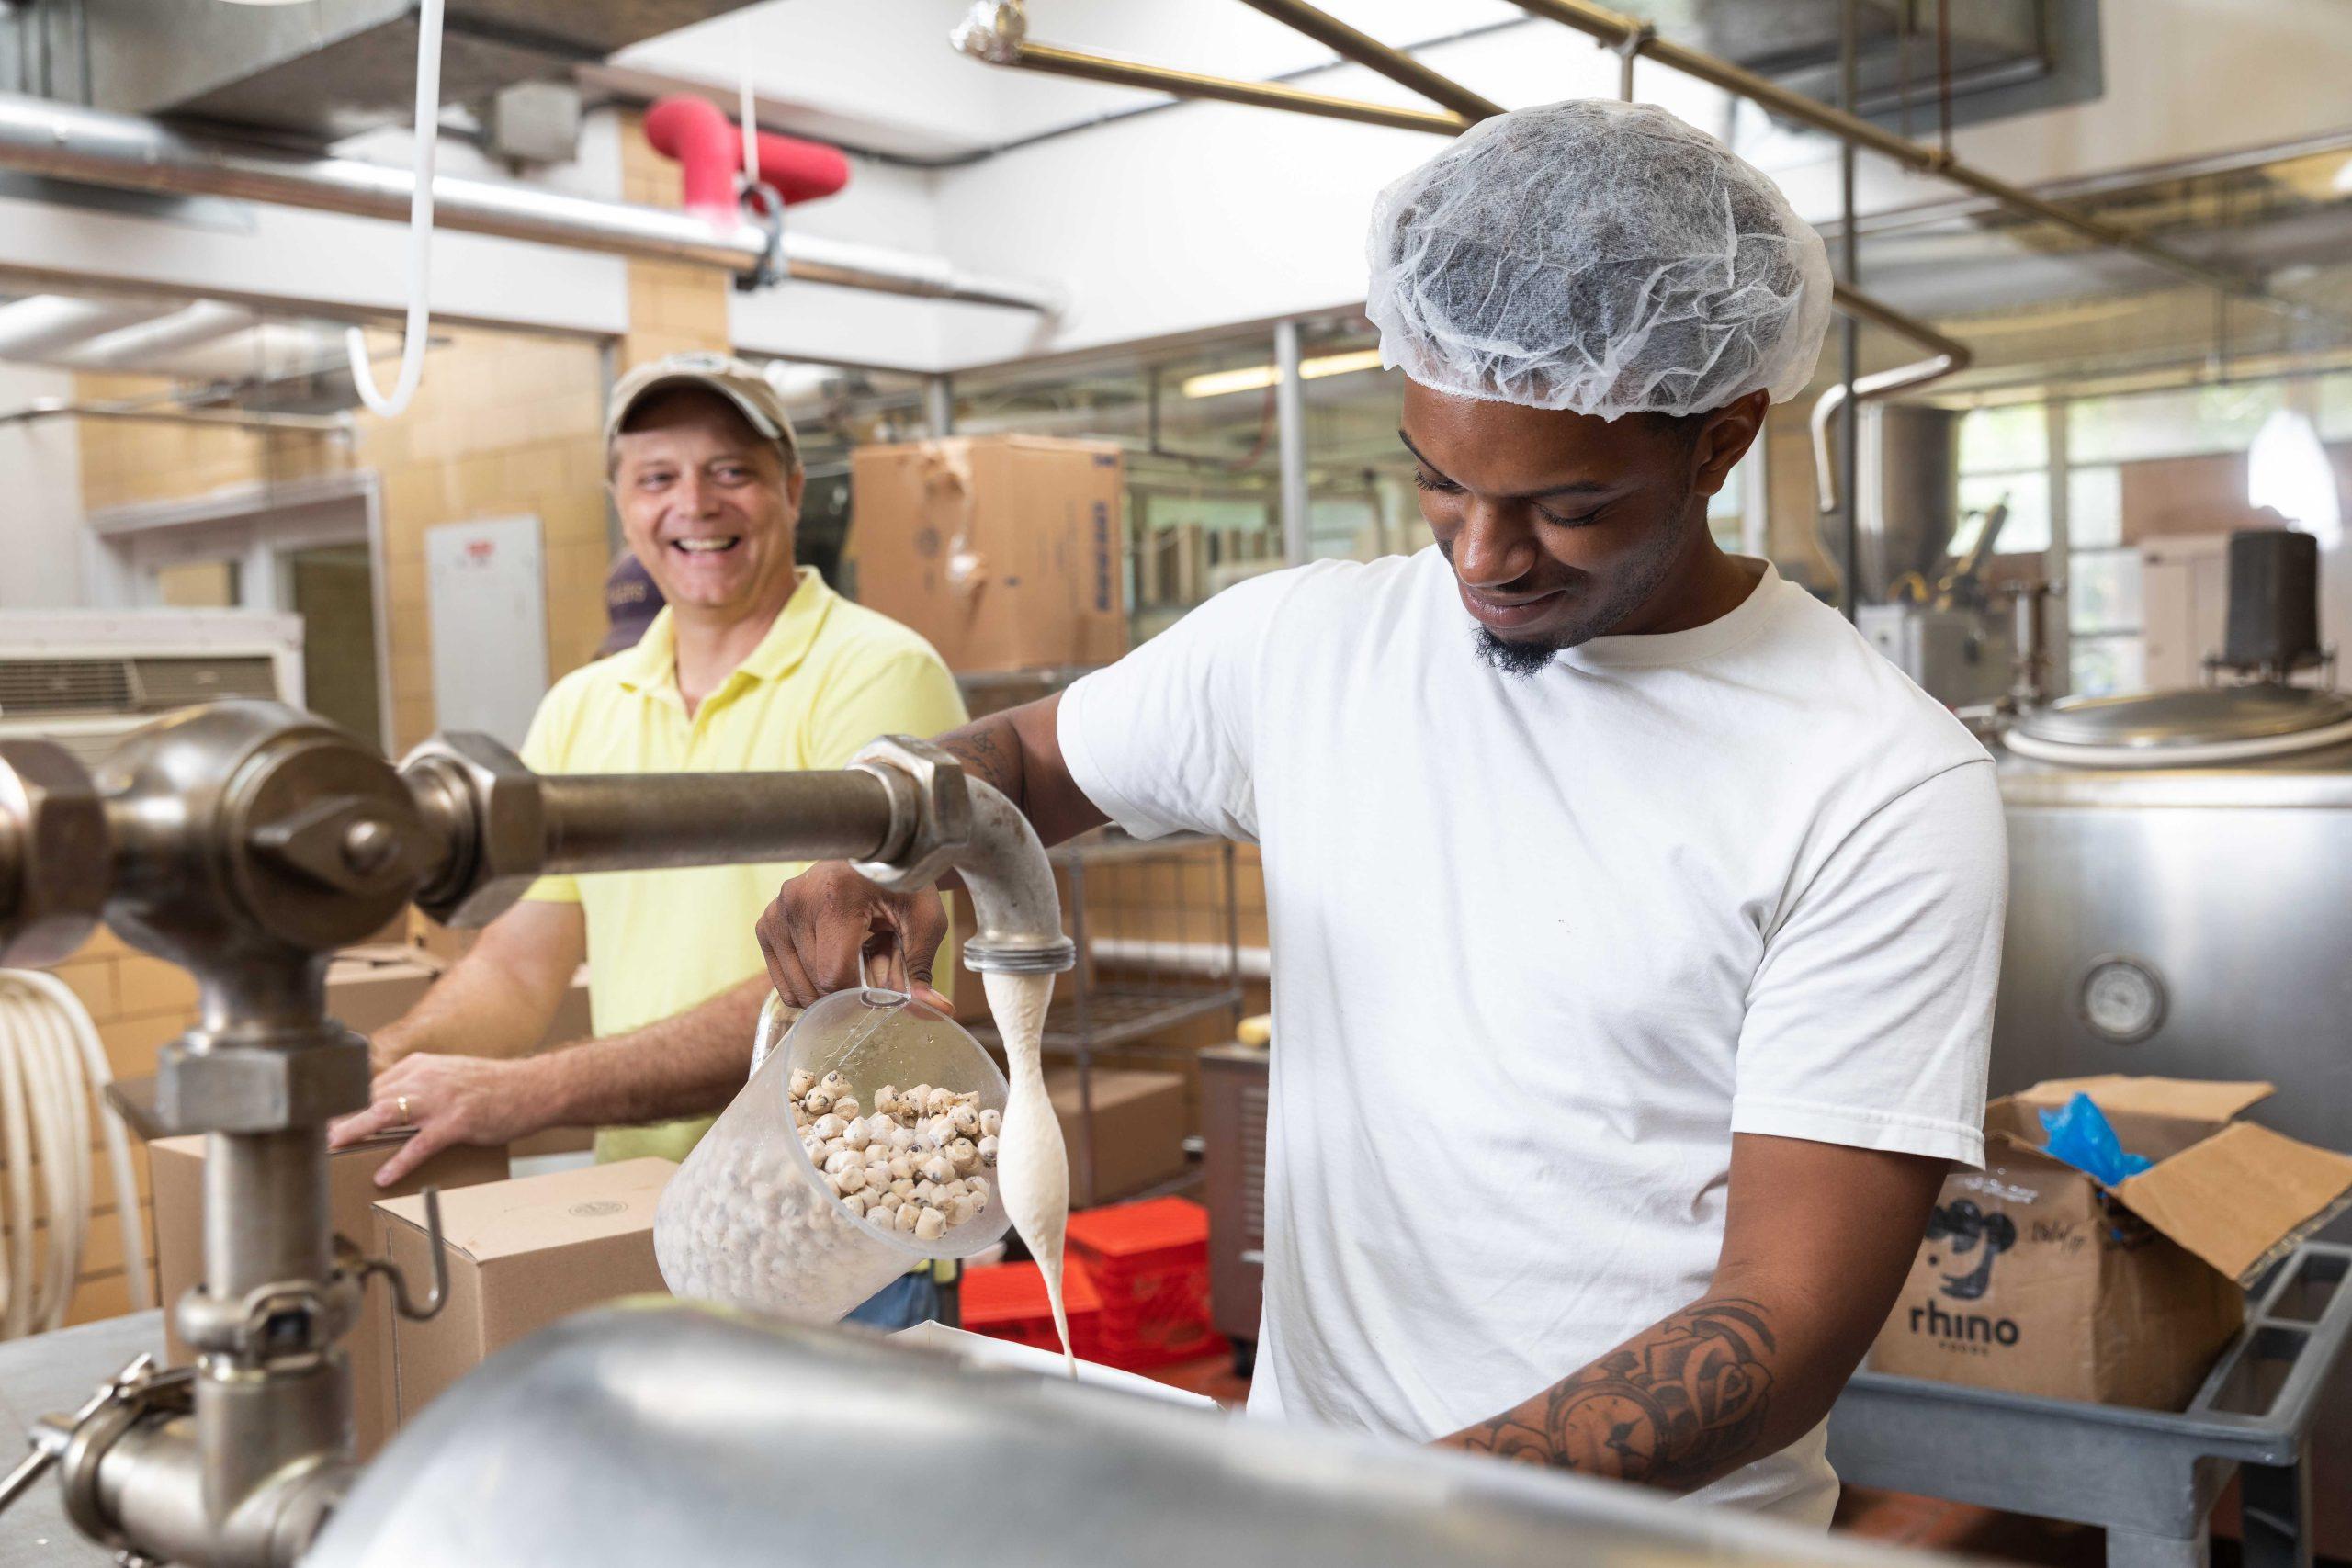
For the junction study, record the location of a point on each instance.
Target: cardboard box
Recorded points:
(1007, 552)
(177, 1167)
(521, 1255)
(1140, 1126)
(2036, 1279)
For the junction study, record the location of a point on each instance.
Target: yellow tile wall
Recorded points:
(671, 310)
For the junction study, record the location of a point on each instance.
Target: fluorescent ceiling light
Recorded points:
(2287, 470)
(1258, 377)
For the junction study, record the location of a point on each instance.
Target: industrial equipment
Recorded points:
(243, 841)
(2176, 900)
(1234, 1091)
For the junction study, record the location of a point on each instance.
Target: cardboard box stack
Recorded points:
(1007, 552)
(352, 1192)
(2038, 1279)
(521, 1254)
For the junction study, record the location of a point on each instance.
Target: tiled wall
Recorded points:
(671, 309)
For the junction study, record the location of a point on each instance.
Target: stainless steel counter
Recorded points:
(43, 1375)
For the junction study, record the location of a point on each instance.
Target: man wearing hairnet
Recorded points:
(1635, 925)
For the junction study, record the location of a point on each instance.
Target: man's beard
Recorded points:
(1517, 660)
(1625, 594)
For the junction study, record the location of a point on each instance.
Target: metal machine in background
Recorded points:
(2177, 891)
(1936, 614)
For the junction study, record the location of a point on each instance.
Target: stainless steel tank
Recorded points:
(2178, 910)
(2180, 904)
(664, 1434)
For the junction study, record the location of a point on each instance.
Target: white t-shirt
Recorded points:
(1542, 945)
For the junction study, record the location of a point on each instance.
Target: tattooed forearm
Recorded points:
(1676, 1407)
(989, 750)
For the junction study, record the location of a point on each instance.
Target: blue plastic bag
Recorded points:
(2083, 1137)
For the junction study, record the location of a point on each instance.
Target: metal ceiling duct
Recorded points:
(138, 348)
(332, 67)
(128, 153)
(38, 328)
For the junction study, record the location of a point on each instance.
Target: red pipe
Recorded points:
(709, 151)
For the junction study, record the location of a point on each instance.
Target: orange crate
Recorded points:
(1150, 1261)
(1007, 1301)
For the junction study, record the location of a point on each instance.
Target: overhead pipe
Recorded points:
(39, 328)
(126, 152)
(1634, 37)
(1370, 52)
(205, 321)
(1946, 356)
(997, 32)
(708, 151)
(167, 413)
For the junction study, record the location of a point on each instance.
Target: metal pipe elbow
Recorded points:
(944, 819)
(1004, 869)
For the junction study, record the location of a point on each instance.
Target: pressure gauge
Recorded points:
(2122, 999)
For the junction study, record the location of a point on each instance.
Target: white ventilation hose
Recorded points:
(420, 232)
(52, 1071)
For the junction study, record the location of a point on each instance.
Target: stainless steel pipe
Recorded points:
(638, 822)
(41, 137)
(1636, 37)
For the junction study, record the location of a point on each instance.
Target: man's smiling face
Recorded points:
(707, 504)
(1562, 527)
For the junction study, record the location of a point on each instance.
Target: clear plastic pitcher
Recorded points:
(748, 1222)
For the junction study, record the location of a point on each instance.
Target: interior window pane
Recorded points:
(1998, 440)
(2176, 423)
(2027, 530)
(2103, 592)
(2104, 664)
(2094, 507)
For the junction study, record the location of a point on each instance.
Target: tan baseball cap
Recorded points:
(739, 382)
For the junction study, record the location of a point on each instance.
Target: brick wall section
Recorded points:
(672, 309)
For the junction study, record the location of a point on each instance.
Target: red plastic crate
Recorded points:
(1150, 1262)
(1007, 1301)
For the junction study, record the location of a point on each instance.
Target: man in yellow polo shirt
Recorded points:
(754, 664)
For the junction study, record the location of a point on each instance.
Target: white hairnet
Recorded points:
(1599, 256)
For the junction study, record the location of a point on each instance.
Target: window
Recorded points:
(2005, 461)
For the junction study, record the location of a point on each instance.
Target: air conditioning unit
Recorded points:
(84, 678)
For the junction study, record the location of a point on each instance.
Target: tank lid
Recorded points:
(2156, 721)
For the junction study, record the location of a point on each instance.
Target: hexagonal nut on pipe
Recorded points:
(56, 853)
(930, 811)
(486, 806)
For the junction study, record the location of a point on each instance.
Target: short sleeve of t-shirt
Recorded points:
(544, 749)
(1870, 1016)
(1163, 740)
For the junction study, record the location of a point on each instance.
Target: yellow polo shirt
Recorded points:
(828, 677)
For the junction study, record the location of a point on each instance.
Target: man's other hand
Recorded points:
(450, 1099)
(824, 918)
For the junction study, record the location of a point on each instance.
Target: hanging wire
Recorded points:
(420, 233)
